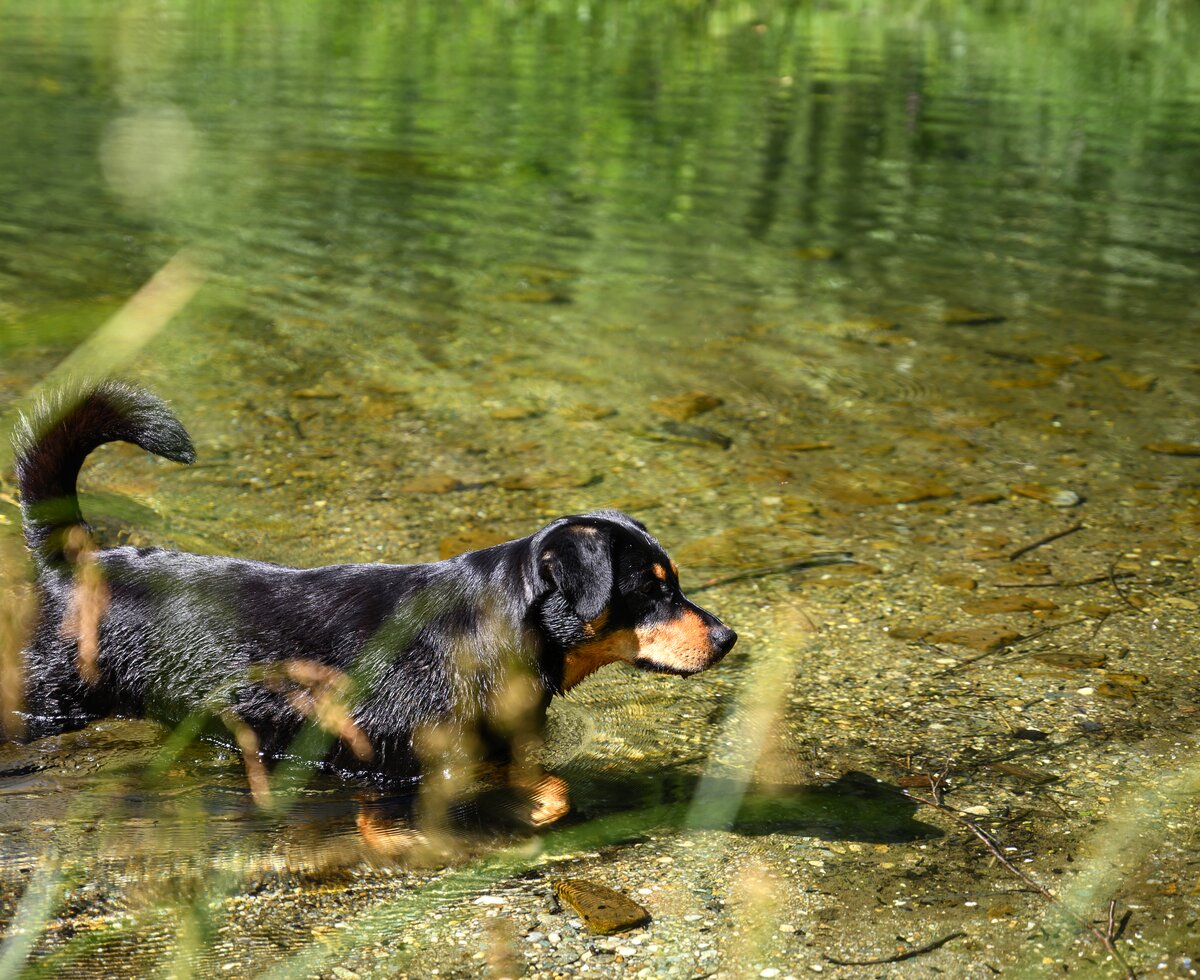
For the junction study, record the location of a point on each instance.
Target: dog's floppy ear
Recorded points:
(577, 560)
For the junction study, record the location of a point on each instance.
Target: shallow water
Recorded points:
(934, 269)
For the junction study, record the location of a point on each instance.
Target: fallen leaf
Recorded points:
(1072, 659)
(1175, 448)
(962, 316)
(1007, 604)
(686, 406)
(605, 910)
(464, 541)
(432, 483)
(984, 639)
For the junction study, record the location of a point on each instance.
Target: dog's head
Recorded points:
(613, 595)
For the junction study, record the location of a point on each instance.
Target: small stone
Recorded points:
(686, 406)
(977, 811)
(490, 900)
(535, 936)
(770, 971)
(604, 910)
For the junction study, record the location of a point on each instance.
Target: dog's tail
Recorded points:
(52, 442)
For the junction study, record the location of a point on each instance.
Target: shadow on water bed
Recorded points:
(854, 807)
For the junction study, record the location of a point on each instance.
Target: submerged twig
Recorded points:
(1106, 937)
(813, 561)
(906, 955)
(1121, 594)
(1094, 580)
(967, 662)
(1034, 545)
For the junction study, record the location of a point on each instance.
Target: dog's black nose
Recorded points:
(723, 639)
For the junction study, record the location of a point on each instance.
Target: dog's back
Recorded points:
(148, 632)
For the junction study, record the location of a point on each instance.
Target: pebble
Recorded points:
(1047, 495)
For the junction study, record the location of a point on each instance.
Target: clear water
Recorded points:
(468, 249)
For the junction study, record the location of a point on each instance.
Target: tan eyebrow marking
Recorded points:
(660, 573)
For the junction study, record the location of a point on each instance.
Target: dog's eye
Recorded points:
(651, 587)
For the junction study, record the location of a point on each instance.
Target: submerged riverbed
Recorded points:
(917, 286)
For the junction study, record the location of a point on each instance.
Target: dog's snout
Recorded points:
(723, 638)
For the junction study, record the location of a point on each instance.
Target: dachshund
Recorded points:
(362, 666)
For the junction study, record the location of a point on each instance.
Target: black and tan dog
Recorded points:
(378, 656)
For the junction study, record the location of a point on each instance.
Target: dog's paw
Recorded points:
(551, 801)
(385, 837)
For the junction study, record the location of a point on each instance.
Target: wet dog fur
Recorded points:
(378, 656)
